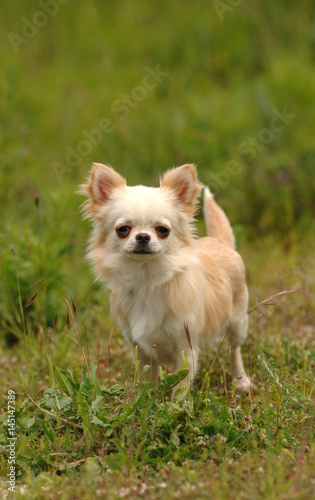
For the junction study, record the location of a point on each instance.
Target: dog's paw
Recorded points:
(244, 383)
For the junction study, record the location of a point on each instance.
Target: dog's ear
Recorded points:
(183, 181)
(101, 182)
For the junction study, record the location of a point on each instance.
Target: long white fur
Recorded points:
(184, 285)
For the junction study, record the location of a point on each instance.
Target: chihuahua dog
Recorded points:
(171, 292)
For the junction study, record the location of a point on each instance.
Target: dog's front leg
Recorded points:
(150, 375)
(191, 358)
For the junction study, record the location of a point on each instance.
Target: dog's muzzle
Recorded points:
(143, 240)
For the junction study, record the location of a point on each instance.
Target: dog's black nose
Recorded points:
(143, 238)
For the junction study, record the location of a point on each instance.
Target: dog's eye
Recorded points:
(162, 231)
(123, 231)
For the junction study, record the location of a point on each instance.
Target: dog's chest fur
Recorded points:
(145, 310)
(146, 317)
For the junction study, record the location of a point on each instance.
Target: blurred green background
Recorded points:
(144, 86)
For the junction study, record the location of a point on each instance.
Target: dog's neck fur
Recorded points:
(125, 273)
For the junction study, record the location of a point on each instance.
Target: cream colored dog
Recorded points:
(167, 286)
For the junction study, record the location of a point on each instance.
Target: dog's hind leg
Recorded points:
(236, 336)
(237, 333)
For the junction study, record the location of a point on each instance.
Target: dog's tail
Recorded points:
(217, 222)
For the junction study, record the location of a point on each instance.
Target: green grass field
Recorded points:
(144, 86)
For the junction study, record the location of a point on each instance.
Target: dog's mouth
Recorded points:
(142, 251)
(142, 248)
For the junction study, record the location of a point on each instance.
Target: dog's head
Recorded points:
(142, 222)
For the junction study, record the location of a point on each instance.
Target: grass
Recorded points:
(84, 424)
(101, 430)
